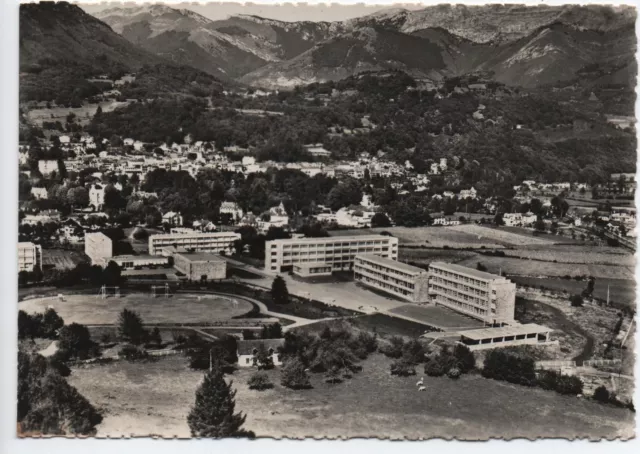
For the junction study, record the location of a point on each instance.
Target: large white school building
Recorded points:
(338, 251)
(396, 278)
(215, 242)
(481, 295)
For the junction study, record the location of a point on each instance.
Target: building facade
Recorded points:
(312, 269)
(480, 295)
(199, 266)
(98, 247)
(396, 278)
(507, 336)
(29, 256)
(339, 251)
(127, 262)
(215, 242)
(248, 349)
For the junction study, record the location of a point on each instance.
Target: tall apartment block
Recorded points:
(29, 256)
(481, 295)
(98, 248)
(396, 278)
(338, 251)
(215, 242)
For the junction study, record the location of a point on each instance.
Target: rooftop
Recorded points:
(201, 256)
(467, 271)
(195, 235)
(486, 333)
(245, 347)
(332, 239)
(391, 263)
(138, 257)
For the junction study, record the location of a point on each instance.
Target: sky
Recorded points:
(285, 11)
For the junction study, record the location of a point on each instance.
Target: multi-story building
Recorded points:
(96, 196)
(29, 256)
(338, 251)
(215, 242)
(98, 247)
(396, 278)
(480, 295)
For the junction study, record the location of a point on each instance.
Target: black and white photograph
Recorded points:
(403, 222)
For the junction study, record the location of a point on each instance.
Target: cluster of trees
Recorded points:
(40, 325)
(335, 352)
(47, 404)
(83, 272)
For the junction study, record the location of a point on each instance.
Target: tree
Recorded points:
(576, 301)
(380, 220)
(112, 274)
(259, 381)
(213, 415)
(130, 327)
(51, 323)
(466, 360)
(294, 375)
(272, 331)
(155, 337)
(29, 326)
(262, 359)
(74, 341)
(279, 292)
(601, 394)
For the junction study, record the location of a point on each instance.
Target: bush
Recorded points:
(601, 394)
(259, 381)
(576, 301)
(368, 341)
(570, 385)
(434, 368)
(413, 352)
(394, 348)
(507, 366)
(466, 360)
(402, 368)
(454, 373)
(74, 342)
(133, 353)
(294, 375)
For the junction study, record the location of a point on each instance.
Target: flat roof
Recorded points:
(513, 330)
(466, 270)
(201, 256)
(333, 239)
(193, 235)
(138, 257)
(391, 263)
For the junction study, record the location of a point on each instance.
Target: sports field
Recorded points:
(178, 309)
(436, 237)
(155, 398)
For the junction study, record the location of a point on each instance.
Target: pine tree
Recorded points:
(279, 291)
(130, 327)
(213, 416)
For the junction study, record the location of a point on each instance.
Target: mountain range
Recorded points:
(519, 45)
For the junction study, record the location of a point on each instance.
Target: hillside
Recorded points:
(62, 48)
(227, 49)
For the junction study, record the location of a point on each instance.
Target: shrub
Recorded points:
(394, 348)
(576, 301)
(133, 353)
(413, 352)
(434, 368)
(259, 381)
(465, 358)
(368, 341)
(507, 366)
(454, 373)
(294, 375)
(74, 341)
(601, 394)
(568, 384)
(402, 368)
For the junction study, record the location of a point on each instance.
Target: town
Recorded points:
(298, 251)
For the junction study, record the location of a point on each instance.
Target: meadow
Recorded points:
(61, 258)
(155, 398)
(83, 114)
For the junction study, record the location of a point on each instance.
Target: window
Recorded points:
(248, 361)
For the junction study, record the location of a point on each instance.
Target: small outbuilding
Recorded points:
(248, 349)
(506, 336)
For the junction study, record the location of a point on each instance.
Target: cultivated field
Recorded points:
(503, 236)
(437, 316)
(83, 114)
(620, 290)
(436, 237)
(178, 309)
(426, 256)
(155, 398)
(572, 254)
(61, 258)
(536, 268)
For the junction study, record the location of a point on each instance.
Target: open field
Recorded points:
(62, 258)
(438, 316)
(426, 256)
(592, 255)
(620, 290)
(382, 324)
(155, 398)
(536, 268)
(182, 308)
(428, 236)
(83, 114)
(504, 235)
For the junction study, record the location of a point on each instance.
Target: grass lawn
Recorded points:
(504, 235)
(155, 398)
(61, 258)
(437, 316)
(181, 308)
(386, 325)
